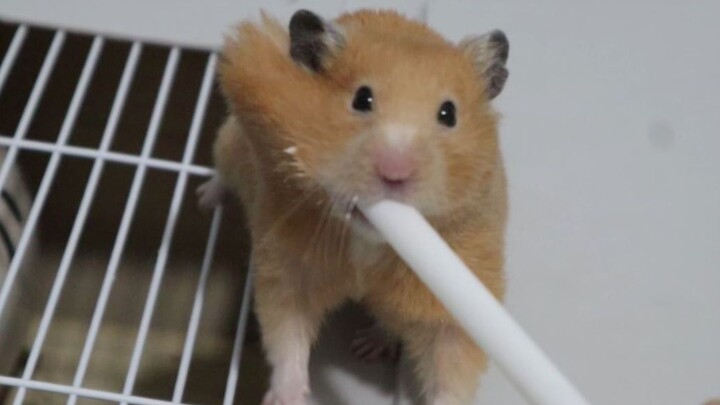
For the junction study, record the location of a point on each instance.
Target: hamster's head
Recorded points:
(371, 105)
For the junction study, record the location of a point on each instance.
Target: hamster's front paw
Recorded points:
(211, 193)
(286, 396)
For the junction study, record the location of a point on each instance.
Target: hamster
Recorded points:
(328, 114)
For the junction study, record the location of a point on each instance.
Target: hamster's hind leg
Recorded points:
(449, 364)
(373, 344)
(289, 313)
(289, 328)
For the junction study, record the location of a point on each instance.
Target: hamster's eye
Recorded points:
(446, 114)
(363, 100)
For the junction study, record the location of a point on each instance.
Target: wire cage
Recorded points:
(105, 134)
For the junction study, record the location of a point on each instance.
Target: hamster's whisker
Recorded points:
(312, 242)
(327, 231)
(343, 205)
(285, 216)
(342, 244)
(344, 235)
(319, 238)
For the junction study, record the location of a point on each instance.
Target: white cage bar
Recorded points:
(207, 260)
(198, 301)
(10, 158)
(11, 54)
(68, 124)
(150, 138)
(174, 206)
(233, 375)
(107, 284)
(105, 155)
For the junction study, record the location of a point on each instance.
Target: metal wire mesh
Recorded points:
(60, 149)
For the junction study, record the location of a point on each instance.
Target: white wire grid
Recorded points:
(142, 162)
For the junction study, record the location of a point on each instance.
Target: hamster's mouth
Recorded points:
(348, 209)
(359, 217)
(346, 203)
(353, 215)
(362, 226)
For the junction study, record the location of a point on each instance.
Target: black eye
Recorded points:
(363, 99)
(446, 114)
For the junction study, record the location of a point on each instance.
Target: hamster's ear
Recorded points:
(313, 41)
(489, 52)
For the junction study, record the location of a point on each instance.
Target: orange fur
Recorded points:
(308, 258)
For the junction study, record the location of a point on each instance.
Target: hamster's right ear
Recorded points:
(489, 52)
(313, 40)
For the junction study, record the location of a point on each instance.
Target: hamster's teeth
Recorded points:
(291, 150)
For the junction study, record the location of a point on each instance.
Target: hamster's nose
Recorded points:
(394, 166)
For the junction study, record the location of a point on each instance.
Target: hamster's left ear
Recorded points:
(313, 40)
(489, 52)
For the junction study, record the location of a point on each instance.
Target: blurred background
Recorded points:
(611, 133)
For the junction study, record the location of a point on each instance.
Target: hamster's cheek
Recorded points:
(431, 195)
(346, 175)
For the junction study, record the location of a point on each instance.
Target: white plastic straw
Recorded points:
(472, 305)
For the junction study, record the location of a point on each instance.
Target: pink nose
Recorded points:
(394, 166)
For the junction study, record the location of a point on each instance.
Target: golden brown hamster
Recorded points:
(327, 114)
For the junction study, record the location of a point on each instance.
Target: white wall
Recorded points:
(612, 138)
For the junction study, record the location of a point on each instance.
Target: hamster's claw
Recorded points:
(211, 194)
(373, 345)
